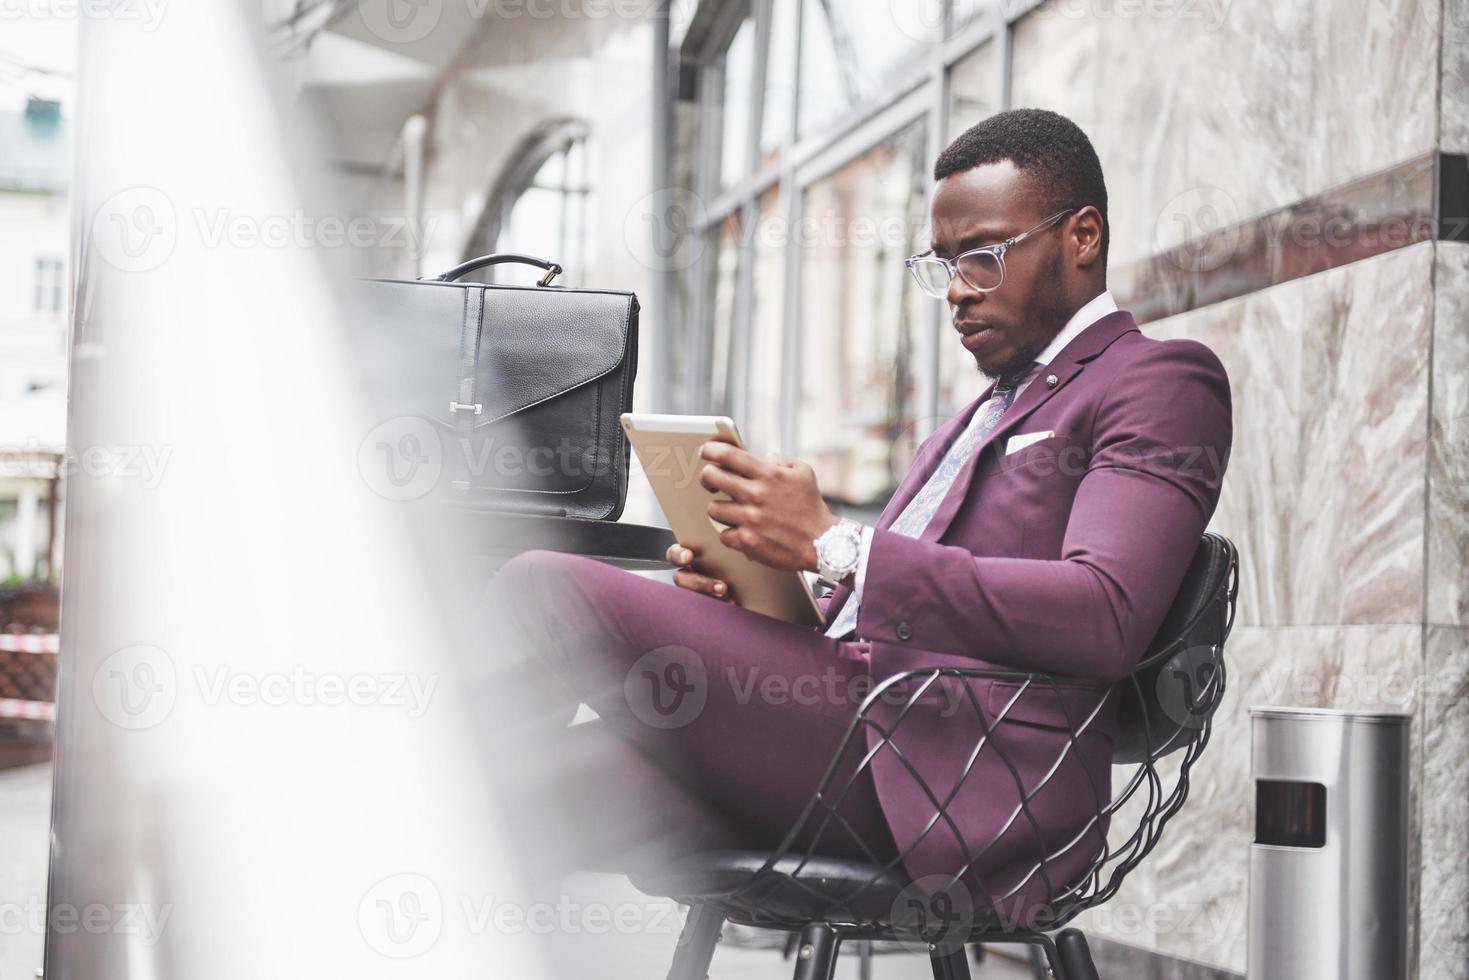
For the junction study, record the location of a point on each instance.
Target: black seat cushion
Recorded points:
(789, 894)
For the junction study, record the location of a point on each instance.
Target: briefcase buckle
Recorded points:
(456, 407)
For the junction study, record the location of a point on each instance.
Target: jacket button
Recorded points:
(905, 632)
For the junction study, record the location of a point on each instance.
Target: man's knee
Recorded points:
(537, 585)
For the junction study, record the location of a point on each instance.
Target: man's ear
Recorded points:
(1086, 235)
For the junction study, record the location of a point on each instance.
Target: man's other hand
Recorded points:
(775, 510)
(685, 577)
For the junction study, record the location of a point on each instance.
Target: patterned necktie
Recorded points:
(921, 508)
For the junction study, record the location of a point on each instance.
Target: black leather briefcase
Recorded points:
(521, 387)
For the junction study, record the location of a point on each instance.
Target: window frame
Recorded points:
(920, 93)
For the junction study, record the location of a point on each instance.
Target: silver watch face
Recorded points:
(842, 551)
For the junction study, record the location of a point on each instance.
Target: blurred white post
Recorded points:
(415, 132)
(264, 767)
(26, 511)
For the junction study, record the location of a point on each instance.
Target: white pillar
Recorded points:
(27, 506)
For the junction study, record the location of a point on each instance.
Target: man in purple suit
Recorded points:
(1046, 527)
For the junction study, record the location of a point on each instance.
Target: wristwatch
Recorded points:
(838, 550)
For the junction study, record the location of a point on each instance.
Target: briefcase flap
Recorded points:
(539, 343)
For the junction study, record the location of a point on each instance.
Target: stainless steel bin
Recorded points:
(1329, 865)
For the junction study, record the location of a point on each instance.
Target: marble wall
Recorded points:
(1348, 490)
(1324, 496)
(1208, 112)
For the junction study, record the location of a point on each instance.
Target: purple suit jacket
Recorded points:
(1063, 558)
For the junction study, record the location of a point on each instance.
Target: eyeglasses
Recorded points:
(982, 268)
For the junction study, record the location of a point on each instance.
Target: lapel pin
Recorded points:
(1052, 381)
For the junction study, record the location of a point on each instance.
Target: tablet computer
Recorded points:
(668, 448)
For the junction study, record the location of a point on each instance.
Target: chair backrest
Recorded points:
(1169, 699)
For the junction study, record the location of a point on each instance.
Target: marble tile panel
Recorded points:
(1324, 490)
(1443, 916)
(1448, 444)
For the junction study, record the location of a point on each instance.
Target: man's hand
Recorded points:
(775, 510)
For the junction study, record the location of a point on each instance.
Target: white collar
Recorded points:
(1095, 308)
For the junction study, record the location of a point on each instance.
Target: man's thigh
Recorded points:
(747, 709)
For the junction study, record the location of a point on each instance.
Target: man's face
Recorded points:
(1005, 328)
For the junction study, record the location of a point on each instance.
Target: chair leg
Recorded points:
(864, 960)
(695, 950)
(953, 965)
(1076, 956)
(1039, 968)
(816, 954)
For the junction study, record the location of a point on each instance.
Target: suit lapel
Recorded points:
(926, 462)
(918, 473)
(1066, 366)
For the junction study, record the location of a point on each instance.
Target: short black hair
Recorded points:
(1050, 150)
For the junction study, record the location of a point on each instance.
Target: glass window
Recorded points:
(780, 81)
(50, 286)
(972, 96)
(722, 324)
(550, 216)
(739, 81)
(848, 55)
(859, 320)
(767, 356)
(973, 89)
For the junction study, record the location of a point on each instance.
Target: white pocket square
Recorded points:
(1017, 443)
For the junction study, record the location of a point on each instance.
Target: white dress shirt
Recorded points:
(1097, 307)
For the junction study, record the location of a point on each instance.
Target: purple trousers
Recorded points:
(715, 725)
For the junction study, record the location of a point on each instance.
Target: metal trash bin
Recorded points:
(1329, 865)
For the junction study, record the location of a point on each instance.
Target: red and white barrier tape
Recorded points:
(30, 710)
(30, 642)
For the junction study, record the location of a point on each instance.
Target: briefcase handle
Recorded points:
(464, 268)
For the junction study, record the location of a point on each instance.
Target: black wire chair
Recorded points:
(1164, 707)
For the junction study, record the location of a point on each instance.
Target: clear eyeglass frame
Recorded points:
(980, 261)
